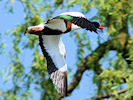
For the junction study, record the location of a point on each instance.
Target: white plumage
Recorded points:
(76, 14)
(56, 49)
(57, 24)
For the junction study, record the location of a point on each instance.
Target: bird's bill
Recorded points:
(101, 27)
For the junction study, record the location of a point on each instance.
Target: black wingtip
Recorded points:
(96, 31)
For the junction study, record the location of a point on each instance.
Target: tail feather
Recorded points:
(60, 81)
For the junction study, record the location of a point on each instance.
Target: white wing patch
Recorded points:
(57, 24)
(56, 49)
(76, 14)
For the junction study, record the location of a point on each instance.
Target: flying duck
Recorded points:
(52, 46)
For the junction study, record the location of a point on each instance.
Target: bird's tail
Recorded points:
(60, 81)
(36, 30)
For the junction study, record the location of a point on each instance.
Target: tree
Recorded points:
(117, 15)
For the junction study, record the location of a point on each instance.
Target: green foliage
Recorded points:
(116, 15)
(58, 2)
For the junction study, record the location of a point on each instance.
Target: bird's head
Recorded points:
(36, 30)
(98, 25)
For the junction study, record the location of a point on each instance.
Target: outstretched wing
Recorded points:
(80, 21)
(54, 52)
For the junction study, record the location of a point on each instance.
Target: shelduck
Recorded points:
(52, 46)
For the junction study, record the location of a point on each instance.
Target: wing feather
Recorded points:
(79, 21)
(54, 52)
(60, 81)
(84, 23)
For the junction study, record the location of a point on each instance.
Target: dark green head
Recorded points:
(98, 25)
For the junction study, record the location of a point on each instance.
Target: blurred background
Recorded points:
(99, 65)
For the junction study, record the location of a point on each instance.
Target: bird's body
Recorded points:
(53, 47)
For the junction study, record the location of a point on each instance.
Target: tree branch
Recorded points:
(111, 94)
(91, 61)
